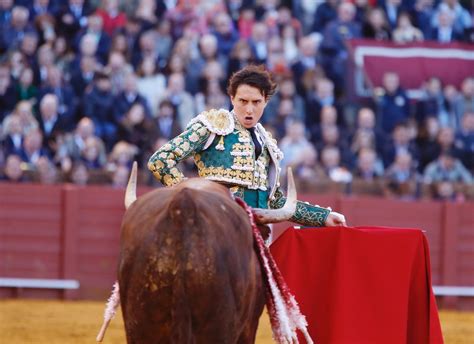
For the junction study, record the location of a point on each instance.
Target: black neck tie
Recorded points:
(258, 146)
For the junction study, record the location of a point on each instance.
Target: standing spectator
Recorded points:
(111, 15)
(445, 30)
(376, 25)
(461, 18)
(324, 14)
(405, 32)
(392, 103)
(258, 42)
(224, 31)
(422, 13)
(333, 45)
(392, 9)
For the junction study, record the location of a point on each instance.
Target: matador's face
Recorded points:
(249, 104)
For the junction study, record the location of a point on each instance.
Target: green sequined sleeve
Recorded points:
(163, 163)
(306, 214)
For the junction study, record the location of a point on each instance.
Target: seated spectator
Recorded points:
(120, 177)
(71, 17)
(42, 64)
(32, 149)
(392, 9)
(137, 129)
(98, 105)
(330, 136)
(392, 103)
(324, 14)
(84, 76)
(8, 97)
(46, 172)
(240, 56)
(400, 142)
(51, 122)
(24, 112)
(122, 155)
(78, 174)
(13, 32)
(405, 32)
(447, 168)
(307, 60)
(13, 171)
(112, 18)
(401, 179)
(366, 134)
(25, 88)
(129, 96)
(223, 29)
(432, 103)
(94, 29)
(427, 142)
(117, 69)
(65, 95)
(323, 95)
(328, 118)
(93, 155)
(464, 102)
(331, 163)
(293, 144)
(422, 13)
(376, 26)
(368, 166)
(285, 114)
(181, 100)
(72, 144)
(150, 83)
(464, 141)
(17, 63)
(212, 96)
(166, 122)
(286, 90)
(11, 140)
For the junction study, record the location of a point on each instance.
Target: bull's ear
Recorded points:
(131, 192)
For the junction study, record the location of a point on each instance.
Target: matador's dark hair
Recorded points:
(253, 75)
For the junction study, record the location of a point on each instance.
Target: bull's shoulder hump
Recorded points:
(220, 122)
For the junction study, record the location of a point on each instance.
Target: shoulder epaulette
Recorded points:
(270, 141)
(220, 122)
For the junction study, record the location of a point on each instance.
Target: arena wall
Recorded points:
(72, 232)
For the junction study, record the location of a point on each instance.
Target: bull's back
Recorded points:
(188, 272)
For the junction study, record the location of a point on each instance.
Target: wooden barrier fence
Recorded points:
(72, 233)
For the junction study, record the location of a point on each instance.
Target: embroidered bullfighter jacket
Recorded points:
(224, 152)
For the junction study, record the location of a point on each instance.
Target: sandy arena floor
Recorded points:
(51, 322)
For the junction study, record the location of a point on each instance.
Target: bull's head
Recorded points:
(262, 216)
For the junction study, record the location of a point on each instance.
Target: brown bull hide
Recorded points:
(188, 272)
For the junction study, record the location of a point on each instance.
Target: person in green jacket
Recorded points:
(234, 149)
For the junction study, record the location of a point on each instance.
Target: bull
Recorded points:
(188, 271)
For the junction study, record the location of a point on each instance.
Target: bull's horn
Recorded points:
(131, 192)
(263, 216)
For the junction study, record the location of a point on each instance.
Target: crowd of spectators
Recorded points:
(87, 87)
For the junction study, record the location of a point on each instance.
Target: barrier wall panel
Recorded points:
(465, 247)
(30, 230)
(425, 215)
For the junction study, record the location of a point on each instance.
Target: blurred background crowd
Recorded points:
(87, 87)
